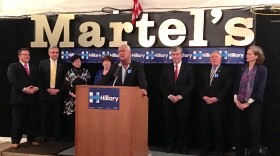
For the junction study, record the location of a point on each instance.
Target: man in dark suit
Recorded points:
(127, 72)
(52, 73)
(213, 87)
(176, 84)
(23, 78)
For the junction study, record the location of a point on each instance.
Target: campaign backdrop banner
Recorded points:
(104, 98)
(230, 55)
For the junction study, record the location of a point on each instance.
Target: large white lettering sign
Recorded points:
(238, 31)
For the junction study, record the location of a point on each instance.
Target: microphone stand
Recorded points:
(117, 73)
(115, 80)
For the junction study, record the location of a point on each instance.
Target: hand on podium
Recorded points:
(144, 92)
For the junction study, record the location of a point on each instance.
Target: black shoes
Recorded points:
(182, 150)
(170, 150)
(219, 154)
(205, 153)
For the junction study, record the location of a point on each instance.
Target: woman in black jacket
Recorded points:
(248, 98)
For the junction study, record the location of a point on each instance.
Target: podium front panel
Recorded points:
(122, 132)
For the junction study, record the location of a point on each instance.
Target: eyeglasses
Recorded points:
(24, 54)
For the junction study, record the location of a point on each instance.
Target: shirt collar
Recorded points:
(53, 60)
(179, 64)
(24, 63)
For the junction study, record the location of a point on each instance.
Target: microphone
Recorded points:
(116, 74)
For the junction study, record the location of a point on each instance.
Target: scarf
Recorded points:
(246, 84)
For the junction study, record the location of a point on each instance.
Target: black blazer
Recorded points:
(259, 83)
(135, 76)
(19, 79)
(44, 78)
(220, 85)
(184, 84)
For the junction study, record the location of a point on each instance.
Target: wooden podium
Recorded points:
(122, 132)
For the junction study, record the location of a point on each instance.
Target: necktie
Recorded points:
(53, 74)
(176, 72)
(212, 73)
(26, 68)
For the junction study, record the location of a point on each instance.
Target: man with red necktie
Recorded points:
(176, 84)
(23, 78)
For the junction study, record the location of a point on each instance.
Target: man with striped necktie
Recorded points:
(213, 86)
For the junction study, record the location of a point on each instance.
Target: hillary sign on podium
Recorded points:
(104, 98)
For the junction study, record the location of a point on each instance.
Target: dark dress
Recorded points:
(74, 77)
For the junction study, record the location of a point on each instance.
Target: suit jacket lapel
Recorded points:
(30, 70)
(127, 74)
(208, 72)
(58, 70)
(48, 71)
(23, 69)
(217, 72)
(182, 69)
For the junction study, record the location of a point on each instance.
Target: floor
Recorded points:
(154, 151)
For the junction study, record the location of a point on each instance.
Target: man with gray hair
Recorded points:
(127, 72)
(176, 85)
(51, 81)
(213, 87)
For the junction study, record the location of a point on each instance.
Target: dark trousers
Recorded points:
(70, 131)
(212, 116)
(51, 117)
(176, 123)
(249, 121)
(23, 119)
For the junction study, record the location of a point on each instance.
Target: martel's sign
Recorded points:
(196, 28)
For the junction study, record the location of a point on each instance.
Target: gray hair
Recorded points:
(177, 48)
(52, 47)
(216, 51)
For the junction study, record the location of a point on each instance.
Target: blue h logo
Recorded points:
(64, 55)
(197, 55)
(105, 53)
(84, 55)
(224, 54)
(169, 55)
(150, 55)
(95, 97)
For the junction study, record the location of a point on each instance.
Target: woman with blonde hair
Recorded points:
(248, 98)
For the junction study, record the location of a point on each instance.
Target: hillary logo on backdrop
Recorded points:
(104, 98)
(230, 55)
